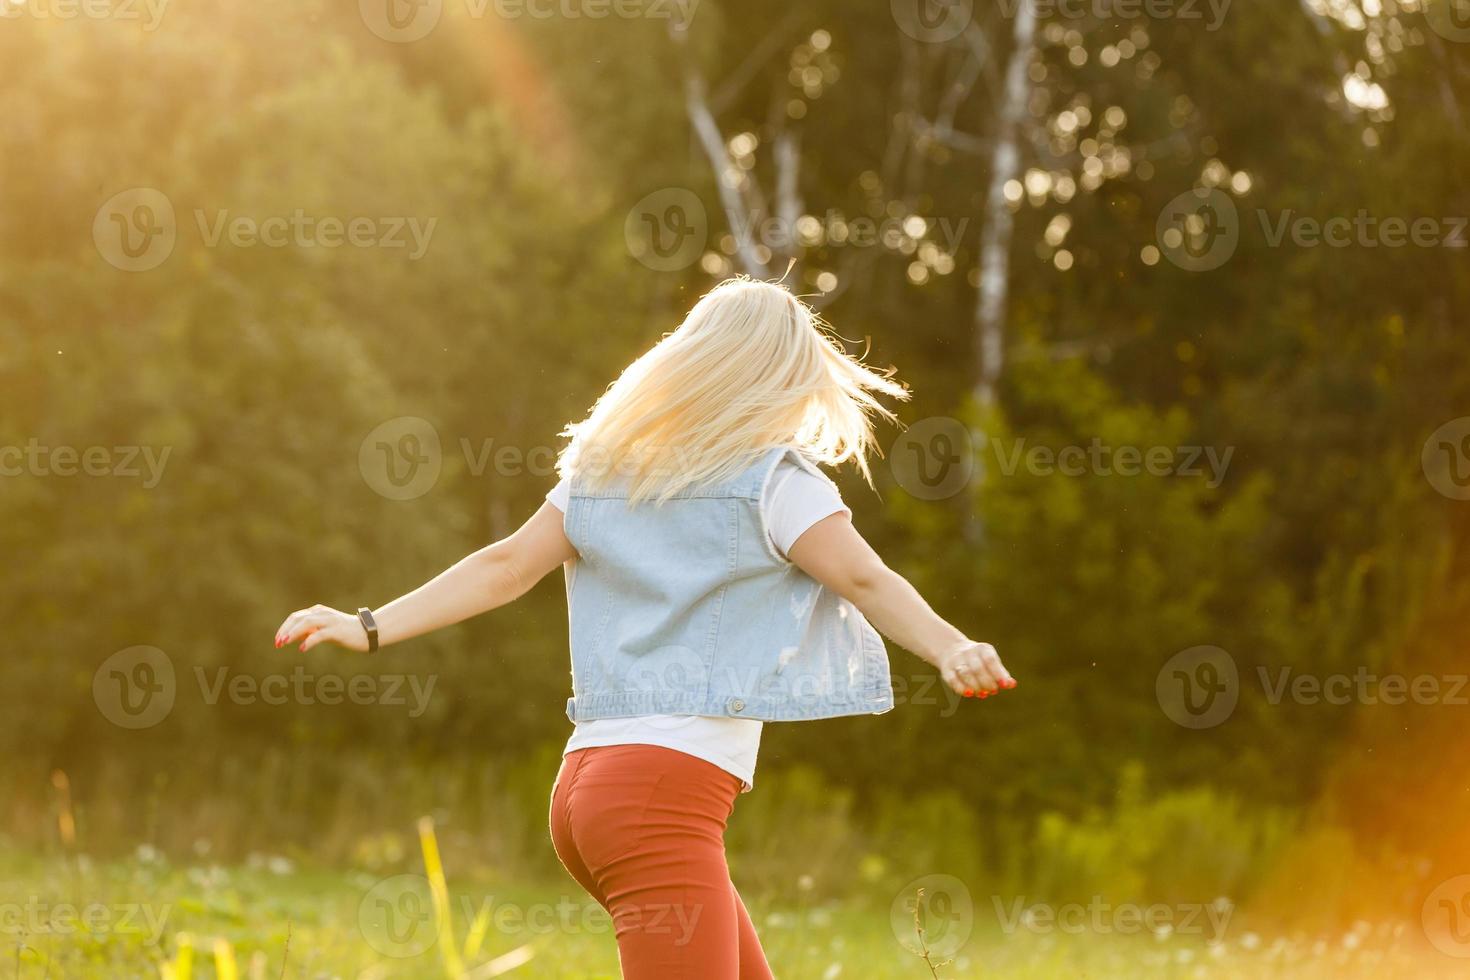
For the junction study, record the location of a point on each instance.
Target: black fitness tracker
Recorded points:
(365, 617)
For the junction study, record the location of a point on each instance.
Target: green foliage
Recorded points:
(1183, 846)
(262, 370)
(280, 918)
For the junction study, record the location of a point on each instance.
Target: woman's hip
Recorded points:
(611, 799)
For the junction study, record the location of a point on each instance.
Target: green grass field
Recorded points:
(147, 917)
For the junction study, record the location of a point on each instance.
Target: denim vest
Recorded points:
(687, 608)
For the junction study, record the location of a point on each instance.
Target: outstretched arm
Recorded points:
(489, 578)
(835, 554)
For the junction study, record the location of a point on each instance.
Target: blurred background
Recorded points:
(295, 297)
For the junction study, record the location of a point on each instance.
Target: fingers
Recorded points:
(315, 637)
(302, 624)
(978, 672)
(969, 679)
(985, 682)
(290, 628)
(977, 677)
(996, 669)
(321, 624)
(293, 632)
(284, 631)
(956, 683)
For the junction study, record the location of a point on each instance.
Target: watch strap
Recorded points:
(370, 626)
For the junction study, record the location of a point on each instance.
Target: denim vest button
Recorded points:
(736, 704)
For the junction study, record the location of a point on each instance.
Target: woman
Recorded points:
(714, 583)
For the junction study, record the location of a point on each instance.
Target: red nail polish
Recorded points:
(969, 693)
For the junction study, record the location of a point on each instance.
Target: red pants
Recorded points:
(642, 828)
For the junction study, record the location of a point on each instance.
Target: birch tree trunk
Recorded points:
(702, 118)
(995, 236)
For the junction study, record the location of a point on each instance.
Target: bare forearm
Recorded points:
(490, 577)
(834, 554)
(896, 610)
(477, 583)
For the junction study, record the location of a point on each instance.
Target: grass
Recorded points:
(151, 917)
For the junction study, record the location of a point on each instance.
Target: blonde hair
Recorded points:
(752, 367)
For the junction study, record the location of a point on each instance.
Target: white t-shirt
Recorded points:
(793, 501)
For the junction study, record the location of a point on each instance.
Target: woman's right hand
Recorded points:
(975, 670)
(322, 624)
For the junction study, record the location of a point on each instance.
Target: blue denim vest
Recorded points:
(687, 608)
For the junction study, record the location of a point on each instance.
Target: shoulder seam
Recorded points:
(760, 502)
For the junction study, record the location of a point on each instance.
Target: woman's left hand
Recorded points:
(322, 624)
